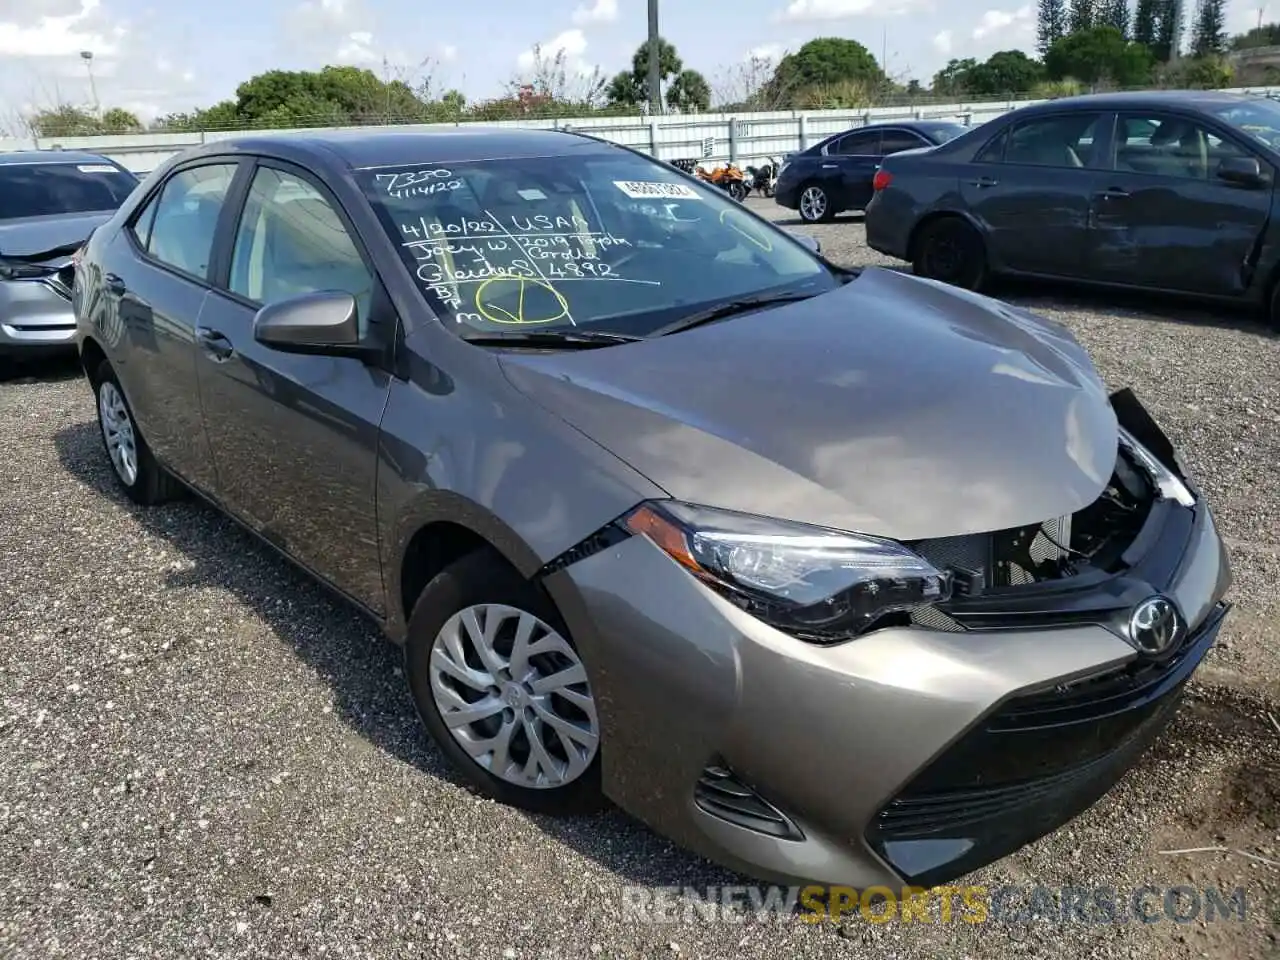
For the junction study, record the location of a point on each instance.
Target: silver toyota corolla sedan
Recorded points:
(50, 201)
(834, 576)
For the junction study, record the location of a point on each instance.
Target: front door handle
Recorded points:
(115, 284)
(215, 344)
(982, 182)
(830, 166)
(1113, 193)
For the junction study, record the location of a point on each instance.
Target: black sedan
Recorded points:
(836, 175)
(1170, 190)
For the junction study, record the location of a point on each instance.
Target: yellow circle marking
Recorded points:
(496, 314)
(763, 242)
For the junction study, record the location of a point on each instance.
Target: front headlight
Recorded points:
(817, 584)
(1166, 481)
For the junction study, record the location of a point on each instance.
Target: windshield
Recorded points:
(49, 189)
(942, 132)
(605, 241)
(1258, 118)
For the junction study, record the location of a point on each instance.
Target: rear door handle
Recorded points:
(983, 182)
(830, 166)
(114, 283)
(215, 344)
(1113, 193)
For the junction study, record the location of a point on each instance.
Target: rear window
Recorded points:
(50, 189)
(942, 132)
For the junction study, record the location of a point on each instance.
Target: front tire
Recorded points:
(141, 478)
(952, 252)
(815, 205)
(502, 690)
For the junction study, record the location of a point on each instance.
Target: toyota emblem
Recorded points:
(1155, 626)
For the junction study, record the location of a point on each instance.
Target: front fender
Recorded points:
(474, 452)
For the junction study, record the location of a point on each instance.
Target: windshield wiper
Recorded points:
(550, 338)
(722, 310)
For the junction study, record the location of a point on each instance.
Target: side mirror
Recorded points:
(808, 240)
(326, 322)
(1246, 171)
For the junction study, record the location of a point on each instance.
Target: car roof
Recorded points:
(1138, 100)
(52, 156)
(359, 149)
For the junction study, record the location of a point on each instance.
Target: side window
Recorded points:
(1058, 141)
(993, 151)
(141, 227)
(896, 140)
(1170, 147)
(856, 145)
(291, 241)
(186, 217)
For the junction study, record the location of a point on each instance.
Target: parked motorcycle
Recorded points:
(764, 178)
(729, 178)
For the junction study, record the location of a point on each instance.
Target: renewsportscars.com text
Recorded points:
(950, 904)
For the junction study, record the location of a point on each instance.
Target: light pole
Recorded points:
(655, 72)
(87, 57)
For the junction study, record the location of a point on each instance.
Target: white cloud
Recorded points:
(770, 51)
(571, 43)
(1000, 21)
(942, 41)
(356, 49)
(600, 11)
(448, 52)
(810, 10)
(63, 35)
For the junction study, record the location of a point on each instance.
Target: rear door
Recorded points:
(853, 160)
(295, 436)
(154, 283)
(1162, 217)
(1031, 187)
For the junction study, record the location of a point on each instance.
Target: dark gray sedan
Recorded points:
(1171, 191)
(830, 575)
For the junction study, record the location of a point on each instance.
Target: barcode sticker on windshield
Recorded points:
(650, 190)
(96, 168)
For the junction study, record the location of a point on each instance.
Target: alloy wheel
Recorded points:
(514, 695)
(813, 203)
(118, 432)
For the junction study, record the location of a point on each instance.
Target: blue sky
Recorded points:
(155, 57)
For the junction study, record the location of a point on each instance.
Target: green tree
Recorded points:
(689, 92)
(65, 121)
(1081, 15)
(1051, 24)
(630, 88)
(1209, 34)
(118, 121)
(1267, 35)
(1099, 54)
(1006, 72)
(1115, 13)
(823, 66)
(1146, 22)
(1169, 30)
(951, 80)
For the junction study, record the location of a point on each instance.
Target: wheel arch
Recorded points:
(92, 356)
(933, 217)
(439, 529)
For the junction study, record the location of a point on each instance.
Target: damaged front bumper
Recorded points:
(915, 753)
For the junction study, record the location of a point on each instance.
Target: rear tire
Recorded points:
(815, 205)
(517, 721)
(141, 478)
(1272, 314)
(952, 252)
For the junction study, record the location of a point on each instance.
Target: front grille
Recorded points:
(1031, 765)
(720, 793)
(1005, 558)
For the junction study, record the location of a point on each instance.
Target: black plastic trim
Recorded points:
(611, 534)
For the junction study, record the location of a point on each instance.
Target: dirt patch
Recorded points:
(1223, 837)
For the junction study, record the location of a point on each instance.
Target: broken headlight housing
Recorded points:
(817, 584)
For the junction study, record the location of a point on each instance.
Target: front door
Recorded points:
(1162, 217)
(295, 437)
(1030, 189)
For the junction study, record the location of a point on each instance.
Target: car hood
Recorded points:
(893, 406)
(31, 236)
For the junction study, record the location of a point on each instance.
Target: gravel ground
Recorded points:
(203, 755)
